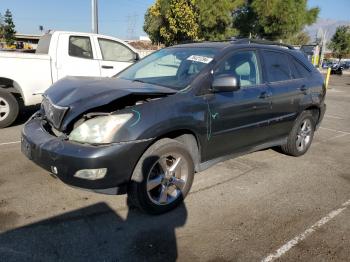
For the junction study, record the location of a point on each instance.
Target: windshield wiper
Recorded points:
(138, 80)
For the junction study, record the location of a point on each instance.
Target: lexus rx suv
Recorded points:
(178, 111)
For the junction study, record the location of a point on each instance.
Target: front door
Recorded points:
(235, 118)
(115, 56)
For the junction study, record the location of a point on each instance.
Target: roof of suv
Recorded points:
(239, 42)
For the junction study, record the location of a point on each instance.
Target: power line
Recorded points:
(131, 21)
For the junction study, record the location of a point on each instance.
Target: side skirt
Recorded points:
(205, 165)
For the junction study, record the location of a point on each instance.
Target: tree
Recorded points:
(1, 27)
(172, 22)
(9, 28)
(274, 19)
(215, 18)
(301, 38)
(340, 42)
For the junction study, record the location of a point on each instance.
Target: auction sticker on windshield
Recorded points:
(201, 59)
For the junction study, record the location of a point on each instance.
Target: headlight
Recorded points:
(99, 130)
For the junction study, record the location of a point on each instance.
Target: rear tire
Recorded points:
(162, 177)
(9, 109)
(300, 138)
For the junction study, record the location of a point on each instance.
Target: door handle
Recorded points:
(264, 95)
(107, 67)
(302, 88)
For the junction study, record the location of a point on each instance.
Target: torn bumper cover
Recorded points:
(65, 158)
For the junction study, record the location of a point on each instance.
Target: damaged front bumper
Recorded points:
(65, 158)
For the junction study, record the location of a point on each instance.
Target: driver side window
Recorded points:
(243, 65)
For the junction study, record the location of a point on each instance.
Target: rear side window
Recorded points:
(277, 66)
(298, 70)
(80, 46)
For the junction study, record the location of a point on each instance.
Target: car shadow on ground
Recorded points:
(25, 114)
(96, 233)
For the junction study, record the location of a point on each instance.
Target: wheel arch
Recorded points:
(189, 139)
(316, 112)
(11, 86)
(185, 136)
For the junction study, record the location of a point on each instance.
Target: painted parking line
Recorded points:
(10, 143)
(334, 130)
(335, 117)
(296, 240)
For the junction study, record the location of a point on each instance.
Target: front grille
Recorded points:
(53, 113)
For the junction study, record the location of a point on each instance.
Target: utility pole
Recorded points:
(94, 16)
(324, 41)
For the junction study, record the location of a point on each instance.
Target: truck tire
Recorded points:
(162, 177)
(9, 109)
(301, 135)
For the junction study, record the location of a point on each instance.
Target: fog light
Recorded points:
(91, 174)
(54, 170)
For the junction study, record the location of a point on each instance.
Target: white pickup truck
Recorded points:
(24, 77)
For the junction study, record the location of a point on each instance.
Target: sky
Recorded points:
(116, 17)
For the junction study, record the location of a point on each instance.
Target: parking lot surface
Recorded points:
(262, 206)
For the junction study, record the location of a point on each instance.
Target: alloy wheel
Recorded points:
(304, 135)
(167, 179)
(4, 109)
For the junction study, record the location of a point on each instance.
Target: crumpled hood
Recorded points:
(81, 94)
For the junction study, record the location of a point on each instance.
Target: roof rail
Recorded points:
(259, 41)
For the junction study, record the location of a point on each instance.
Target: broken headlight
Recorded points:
(99, 130)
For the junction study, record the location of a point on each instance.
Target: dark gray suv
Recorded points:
(178, 111)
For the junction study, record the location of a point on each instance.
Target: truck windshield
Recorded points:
(170, 67)
(44, 44)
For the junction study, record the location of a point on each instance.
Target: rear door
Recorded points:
(114, 56)
(76, 56)
(235, 118)
(287, 89)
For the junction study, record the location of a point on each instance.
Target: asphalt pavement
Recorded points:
(263, 206)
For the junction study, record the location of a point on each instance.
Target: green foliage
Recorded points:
(301, 38)
(215, 18)
(172, 22)
(1, 27)
(274, 19)
(340, 42)
(9, 28)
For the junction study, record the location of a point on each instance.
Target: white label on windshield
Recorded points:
(200, 59)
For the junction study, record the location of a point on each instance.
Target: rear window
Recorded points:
(298, 70)
(44, 44)
(277, 66)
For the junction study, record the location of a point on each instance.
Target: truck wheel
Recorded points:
(162, 177)
(9, 109)
(300, 138)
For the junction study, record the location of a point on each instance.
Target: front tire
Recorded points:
(9, 109)
(301, 136)
(162, 177)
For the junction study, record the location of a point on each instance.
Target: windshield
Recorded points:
(170, 67)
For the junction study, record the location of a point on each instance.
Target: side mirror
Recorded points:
(136, 57)
(225, 84)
